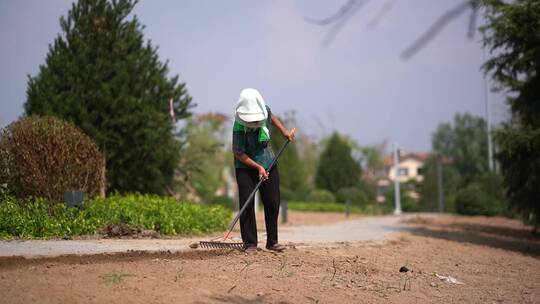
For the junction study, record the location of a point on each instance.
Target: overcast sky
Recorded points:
(357, 85)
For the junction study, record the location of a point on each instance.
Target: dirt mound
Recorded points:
(124, 231)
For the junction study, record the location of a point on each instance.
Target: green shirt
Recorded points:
(247, 141)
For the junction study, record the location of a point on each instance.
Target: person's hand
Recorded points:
(263, 174)
(289, 135)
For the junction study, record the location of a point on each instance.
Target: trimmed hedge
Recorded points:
(332, 207)
(39, 218)
(321, 196)
(474, 201)
(34, 218)
(356, 196)
(224, 201)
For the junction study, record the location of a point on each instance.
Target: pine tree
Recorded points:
(512, 34)
(337, 168)
(101, 75)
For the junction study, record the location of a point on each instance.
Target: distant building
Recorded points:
(411, 168)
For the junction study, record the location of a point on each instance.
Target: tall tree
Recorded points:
(465, 142)
(372, 159)
(203, 157)
(337, 168)
(512, 35)
(101, 75)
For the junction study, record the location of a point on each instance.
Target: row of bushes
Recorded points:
(40, 218)
(472, 200)
(485, 195)
(356, 196)
(333, 207)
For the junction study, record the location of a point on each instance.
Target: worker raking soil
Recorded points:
(256, 169)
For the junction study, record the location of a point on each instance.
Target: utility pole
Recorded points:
(488, 118)
(440, 190)
(397, 193)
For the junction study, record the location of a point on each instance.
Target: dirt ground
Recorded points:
(495, 261)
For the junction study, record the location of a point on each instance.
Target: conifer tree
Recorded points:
(101, 75)
(512, 34)
(337, 168)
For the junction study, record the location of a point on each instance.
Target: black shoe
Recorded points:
(250, 248)
(276, 247)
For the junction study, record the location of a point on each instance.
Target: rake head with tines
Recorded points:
(222, 243)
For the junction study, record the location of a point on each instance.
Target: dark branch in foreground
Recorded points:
(388, 5)
(339, 19)
(338, 15)
(440, 24)
(472, 21)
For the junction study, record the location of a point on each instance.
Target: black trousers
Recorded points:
(247, 179)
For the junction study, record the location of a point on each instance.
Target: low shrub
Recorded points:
(38, 218)
(34, 218)
(286, 194)
(44, 157)
(289, 195)
(354, 195)
(321, 196)
(332, 207)
(223, 201)
(163, 214)
(474, 201)
(493, 186)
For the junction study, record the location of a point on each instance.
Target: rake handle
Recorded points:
(250, 198)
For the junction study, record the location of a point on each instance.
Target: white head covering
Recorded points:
(251, 109)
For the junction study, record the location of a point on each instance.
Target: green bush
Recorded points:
(286, 194)
(408, 204)
(474, 201)
(321, 196)
(33, 218)
(224, 201)
(493, 185)
(163, 214)
(320, 207)
(332, 207)
(289, 195)
(356, 196)
(44, 157)
(38, 218)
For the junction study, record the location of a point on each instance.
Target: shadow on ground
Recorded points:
(506, 238)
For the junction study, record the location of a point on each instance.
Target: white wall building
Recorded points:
(411, 167)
